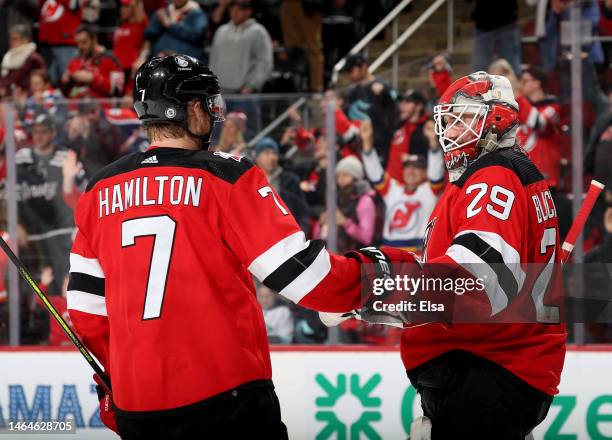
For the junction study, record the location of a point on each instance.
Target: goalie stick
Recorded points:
(581, 217)
(62, 323)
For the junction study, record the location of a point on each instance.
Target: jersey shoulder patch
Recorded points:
(228, 167)
(509, 158)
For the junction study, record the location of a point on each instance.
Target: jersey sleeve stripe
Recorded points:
(470, 262)
(309, 278)
(293, 267)
(86, 302)
(485, 254)
(509, 255)
(275, 256)
(89, 266)
(86, 283)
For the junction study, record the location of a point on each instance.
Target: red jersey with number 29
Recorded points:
(493, 221)
(161, 278)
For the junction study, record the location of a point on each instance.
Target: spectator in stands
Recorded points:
(57, 24)
(550, 45)
(370, 98)
(297, 142)
(241, 52)
(540, 130)
(502, 67)
(410, 201)
(279, 322)
(605, 30)
(339, 32)
(49, 179)
(95, 140)
(43, 97)
(19, 61)
(308, 326)
(496, 33)
(554, 59)
(312, 173)
(180, 28)
(284, 182)
(599, 277)
(440, 72)
(540, 135)
(95, 72)
(409, 138)
(302, 23)
(232, 136)
(128, 39)
(356, 211)
(598, 155)
(57, 336)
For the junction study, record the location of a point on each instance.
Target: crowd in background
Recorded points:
(389, 168)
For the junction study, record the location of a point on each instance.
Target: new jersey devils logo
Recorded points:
(403, 218)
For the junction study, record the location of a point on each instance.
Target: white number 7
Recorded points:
(162, 229)
(265, 191)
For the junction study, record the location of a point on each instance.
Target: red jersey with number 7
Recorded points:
(161, 278)
(498, 221)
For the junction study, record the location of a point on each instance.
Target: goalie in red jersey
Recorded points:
(494, 221)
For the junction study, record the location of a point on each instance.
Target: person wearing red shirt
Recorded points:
(440, 74)
(128, 39)
(57, 24)
(95, 72)
(57, 336)
(409, 138)
(540, 130)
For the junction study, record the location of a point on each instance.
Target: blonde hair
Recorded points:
(231, 146)
(504, 68)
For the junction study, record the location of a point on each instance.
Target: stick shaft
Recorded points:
(51, 308)
(580, 220)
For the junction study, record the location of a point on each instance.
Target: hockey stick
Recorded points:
(73, 337)
(581, 217)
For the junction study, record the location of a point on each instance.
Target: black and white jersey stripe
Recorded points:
(293, 266)
(487, 256)
(86, 286)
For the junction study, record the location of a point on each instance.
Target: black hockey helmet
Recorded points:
(165, 85)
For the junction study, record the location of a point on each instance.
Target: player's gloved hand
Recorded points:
(107, 407)
(383, 255)
(381, 263)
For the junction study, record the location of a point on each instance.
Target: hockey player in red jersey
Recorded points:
(161, 287)
(477, 380)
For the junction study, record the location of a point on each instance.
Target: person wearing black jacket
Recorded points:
(286, 183)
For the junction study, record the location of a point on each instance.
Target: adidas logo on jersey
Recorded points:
(152, 159)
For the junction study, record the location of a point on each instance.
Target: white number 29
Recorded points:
(499, 207)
